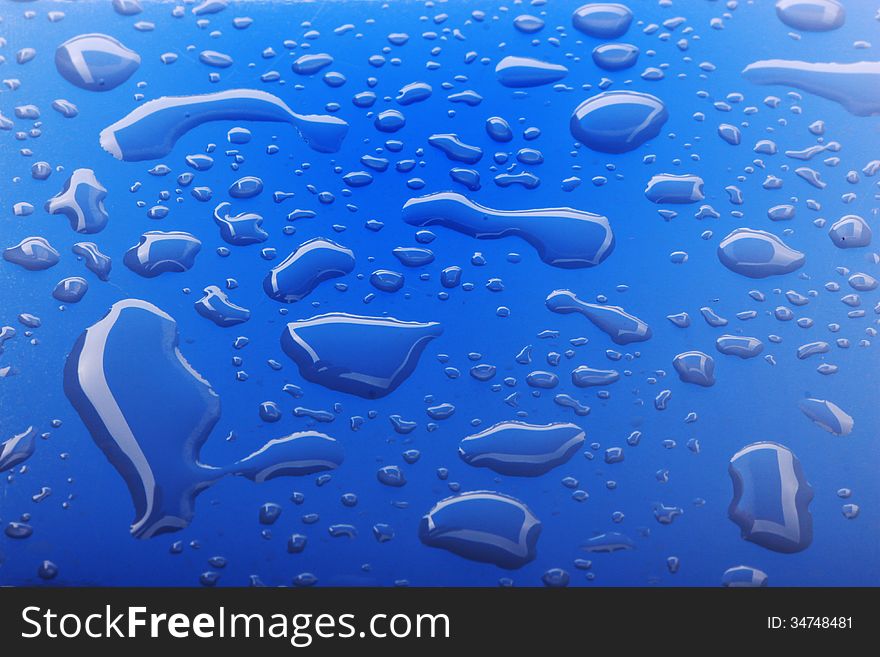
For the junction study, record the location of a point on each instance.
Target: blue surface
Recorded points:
(83, 525)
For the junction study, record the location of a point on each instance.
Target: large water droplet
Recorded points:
(365, 356)
(743, 577)
(521, 449)
(527, 72)
(856, 86)
(771, 497)
(483, 526)
(151, 413)
(159, 252)
(618, 121)
(33, 253)
(827, 415)
(695, 367)
(151, 130)
(603, 20)
(563, 237)
(758, 254)
(217, 307)
(850, 232)
(17, 449)
(95, 62)
(312, 263)
(811, 15)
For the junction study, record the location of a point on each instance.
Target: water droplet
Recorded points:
(216, 306)
(771, 497)
(519, 72)
(32, 253)
(743, 576)
(521, 449)
(620, 326)
(618, 121)
(695, 367)
(483, 526)
(854, 86)
(827, 415)
(811, 15)
(850, 232)
(71, 290)
(150, 131)
(95, 62)
(159, 252)
(82, 202)
(563, 237)
(310, 264)
(758, 254)
(671, 188)
(739, 345)
(603, 20)
(157, 453)
(365, 356)
(17, 449)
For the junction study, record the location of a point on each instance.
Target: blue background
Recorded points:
(751, 401)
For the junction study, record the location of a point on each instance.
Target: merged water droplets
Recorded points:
(414, 92)
(479, 101)
(620, 326)
(96, 262)
(739, 345)
(311, 63)
(585, 377)
(150, 414)
(82, 202)
(150, 131)
(239, 229)
(455, 149)
(608, 542)
(852, 85)
(563, 237)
